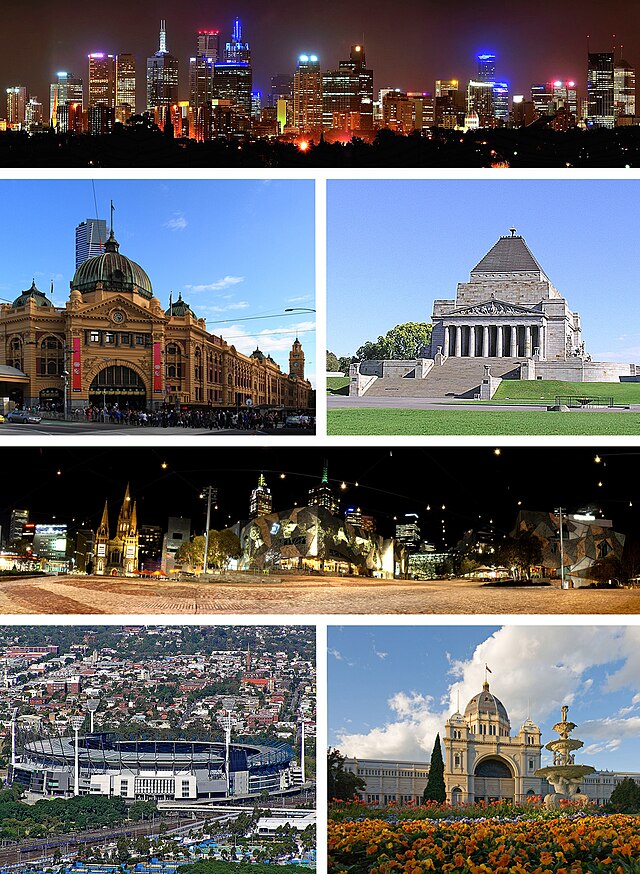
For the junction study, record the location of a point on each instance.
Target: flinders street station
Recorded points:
(114, 343)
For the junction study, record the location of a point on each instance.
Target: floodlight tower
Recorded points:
(225, 722)
(14, 723)
(92, 706)
(76, 725)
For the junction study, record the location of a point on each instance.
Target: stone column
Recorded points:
(446, 340)
(527, 341)
(485, 341)
(541, 342)
(514, 341)
(472, 341)
(458, 341)
(499, 330)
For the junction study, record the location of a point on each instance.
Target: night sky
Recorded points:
(408, 46)
(476, 485)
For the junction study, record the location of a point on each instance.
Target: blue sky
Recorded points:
(395, 246)
(391, 688)
(235, 249)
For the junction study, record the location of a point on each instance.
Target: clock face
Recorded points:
(117, 316)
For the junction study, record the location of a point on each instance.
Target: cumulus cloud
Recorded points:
(271, 340)
(535, 671)
(177, 222)
(217, 284)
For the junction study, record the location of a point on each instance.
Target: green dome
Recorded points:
(179, 308)
(38, 297)
(114, 271)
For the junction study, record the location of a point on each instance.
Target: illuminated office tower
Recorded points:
(362, 101)
(339, 93)
(501, 101)
(600, 89)
(624, 88)
(201, 71)
(322, 494)
(18, 520)
(542, 98)
(480, 100)
(261, 502)
(91, 236)
(125, 86)
(307, 94)
(281, 88)
(162, 75)
(449, 107)
(65, 90)
(237, 50)
(102, 80)
(16, 105)
(34, 113)
(486, 67)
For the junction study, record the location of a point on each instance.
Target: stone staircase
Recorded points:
(457, 377)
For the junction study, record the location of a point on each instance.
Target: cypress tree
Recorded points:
(435, 789)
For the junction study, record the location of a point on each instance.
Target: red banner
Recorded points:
(76, 366)
(157, 367)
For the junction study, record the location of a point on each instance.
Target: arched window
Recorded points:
(50, 362)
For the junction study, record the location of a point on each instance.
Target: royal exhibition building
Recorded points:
(113, 343)
(507, 322)
(483, 761)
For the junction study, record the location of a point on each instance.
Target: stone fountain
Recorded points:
(564, 775)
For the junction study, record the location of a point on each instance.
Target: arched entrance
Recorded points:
(493, 780)
(456, 796)
(117, 384)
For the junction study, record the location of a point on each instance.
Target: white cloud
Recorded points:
(535, 671)
(271, 340)
(217, 284)
(177, 222)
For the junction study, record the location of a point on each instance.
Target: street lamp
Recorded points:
(211, 494)
(560, 511)
(76, 725)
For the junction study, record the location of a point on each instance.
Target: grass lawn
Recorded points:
(544, 390)
(471, 422)
(338, 385)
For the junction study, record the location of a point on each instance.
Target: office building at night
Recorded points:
(125, 86)
(600, 90)
(162, 75)
(307, 95)
(16, 106)
(102, 80)
(67, 90)
(322, 495)
(261, 502)
(624, 89)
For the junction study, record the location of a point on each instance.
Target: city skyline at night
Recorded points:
(383, 483)
(397, 59)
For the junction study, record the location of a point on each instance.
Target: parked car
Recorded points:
(24, 417)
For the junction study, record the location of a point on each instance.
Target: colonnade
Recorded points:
(509, 340)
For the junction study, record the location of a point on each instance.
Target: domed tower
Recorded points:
(32, 296)
(482, 760)
(111, 272)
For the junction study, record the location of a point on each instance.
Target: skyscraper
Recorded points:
(125, 85)
(363, 99)
(65, 90)
(102, 80)
(201, 69)
(624, 88)
(501, 101)
(19, 519)
(322, 494)
(307, 95)
(233, 76)
(162, 75)
(91, 236)
(600, 89)
(16, 105)
(347, 94)
(486, 67)
(236, 49)
(481, 101)
(261, 502)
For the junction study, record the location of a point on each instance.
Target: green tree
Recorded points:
(435, 788)
(342, 784)
(522, 552)
(607, 568)
(122, 850)
(625, 798)
(402, 342)
(332, 362)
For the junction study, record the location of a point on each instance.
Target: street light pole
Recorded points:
(559, 511)
(210, 493)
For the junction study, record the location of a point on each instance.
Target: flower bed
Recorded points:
(564, 844)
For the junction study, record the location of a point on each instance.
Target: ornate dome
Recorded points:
(115, 271)
(38, 297)
(485, 704)
(179, 308)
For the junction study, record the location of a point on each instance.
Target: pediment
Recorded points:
(105, 309)
(492, 307)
